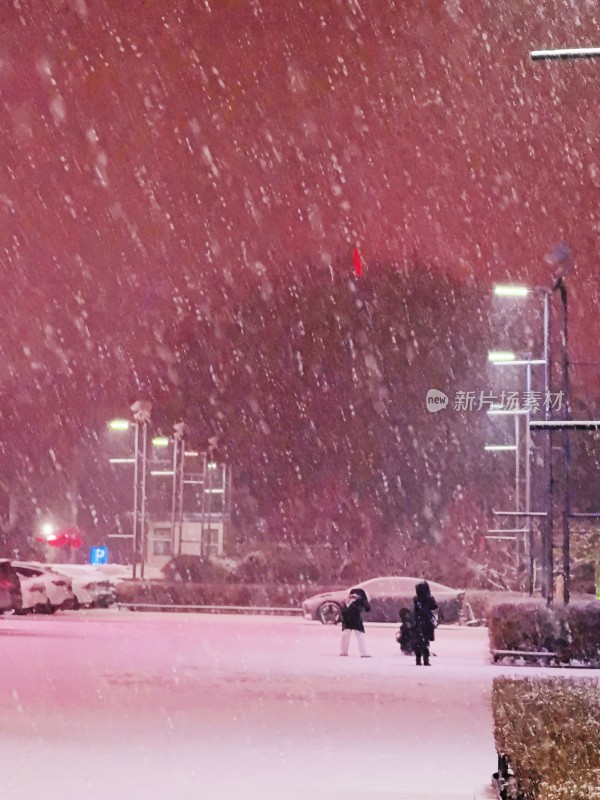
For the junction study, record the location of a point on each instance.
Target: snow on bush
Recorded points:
(572, 632)
(214, 594)
(549, 730)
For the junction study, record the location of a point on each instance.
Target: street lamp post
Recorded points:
(136, 483)
(512, 291)
(509, 359)
(560, 256)
(564, 258)
(121, 426)
(178, 475)
(141, 413)
(566, 386)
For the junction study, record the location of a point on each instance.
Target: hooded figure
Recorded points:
(358, 603)
(406, 635)
(424, 628)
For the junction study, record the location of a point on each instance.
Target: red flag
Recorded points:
(357, 263)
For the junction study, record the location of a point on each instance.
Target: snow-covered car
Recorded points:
(33, 595)
(91, 588)
(10, 587)
(387, 596)
(57, 588)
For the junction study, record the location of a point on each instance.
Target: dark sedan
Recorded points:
(388, 595)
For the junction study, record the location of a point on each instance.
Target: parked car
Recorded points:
(387, 596)
(33, 595)
(10, 587)
(91, 588)
(57, 588)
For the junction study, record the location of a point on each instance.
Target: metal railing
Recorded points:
(133, 606)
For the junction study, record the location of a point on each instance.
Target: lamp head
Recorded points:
(560, 258)
(141, 410)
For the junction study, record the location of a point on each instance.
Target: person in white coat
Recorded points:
(358, 603)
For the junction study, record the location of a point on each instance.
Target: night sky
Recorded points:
(158, 156)
(229, 137)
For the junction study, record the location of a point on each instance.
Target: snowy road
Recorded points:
(180, 707)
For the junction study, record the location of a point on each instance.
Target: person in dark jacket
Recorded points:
(406, 635)
(358, 603)
(424, 626)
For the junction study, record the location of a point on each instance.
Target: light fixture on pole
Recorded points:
(565, 53)
(501, 357)
(119, 424)
(510, 290)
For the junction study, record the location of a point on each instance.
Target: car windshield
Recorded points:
(27, 572)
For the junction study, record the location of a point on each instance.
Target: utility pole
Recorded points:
(562, 256)
(141, 413)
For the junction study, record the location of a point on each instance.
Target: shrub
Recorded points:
(279, 566)
(572, 632)
(483, 600)
(254, 569)
(583, 577)
(523, 626)
(194, 569)
(549, 731)
(583, 621)
(285, 568)
(215, 594)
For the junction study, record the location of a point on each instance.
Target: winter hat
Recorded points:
(423, 590)
(360, 593)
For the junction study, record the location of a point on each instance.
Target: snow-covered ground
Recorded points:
(107, 705)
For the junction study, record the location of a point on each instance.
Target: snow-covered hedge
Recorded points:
(583, 621)
(573, 633)
(215, 594)
(483, 600)
(549, 732)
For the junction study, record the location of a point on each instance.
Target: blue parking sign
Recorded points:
(99, 555)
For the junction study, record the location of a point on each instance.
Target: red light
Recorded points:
(357, 263)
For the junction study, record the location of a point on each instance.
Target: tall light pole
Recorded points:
(177, 494)
(560, 258)
(565, 260)
(141, 413)
(121, 426)
(515, 292)
(509, 359)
